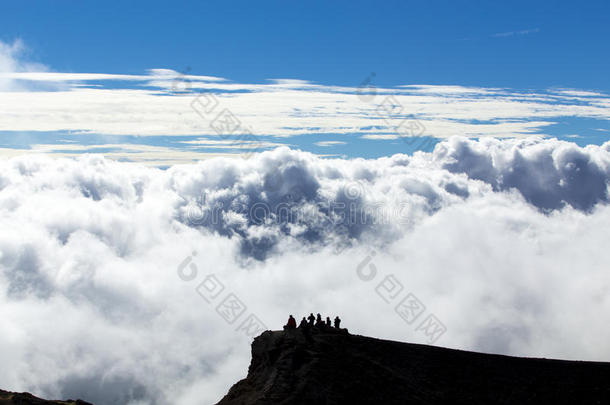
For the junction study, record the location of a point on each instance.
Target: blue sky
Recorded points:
(555, 43)
(527, 47)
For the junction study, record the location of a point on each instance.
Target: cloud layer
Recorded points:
(503, 241)
(160, 103)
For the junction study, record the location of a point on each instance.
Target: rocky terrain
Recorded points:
(333, 367)
(330, 366)
(10, 398)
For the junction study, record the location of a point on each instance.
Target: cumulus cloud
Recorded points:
(547, 175)
(102, 262)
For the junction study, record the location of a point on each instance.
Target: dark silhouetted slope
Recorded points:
(336, 368)
(14, 398)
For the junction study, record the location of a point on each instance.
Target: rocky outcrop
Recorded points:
(332, 367)
(24, 398)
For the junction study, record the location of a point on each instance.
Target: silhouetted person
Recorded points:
(327, 321)
(337, 322)
(292, 323)
(311, 319)
(319, 320)
(306, 327)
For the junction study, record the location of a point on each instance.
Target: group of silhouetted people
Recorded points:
(312, 321)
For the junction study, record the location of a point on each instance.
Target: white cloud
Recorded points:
(267, 112)
(12, 62)
(580, 93)
(330, 143)
(159, 156)
(521, 32)
(503, 240)
(160, 103)
(387, 137)
(154, 75)
(252, 144)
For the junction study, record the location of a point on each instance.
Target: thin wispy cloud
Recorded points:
(330, 143)
(513, 33)
(290, 109)
(160, 103)
(149, 155)
(230, 143)
(13, 61)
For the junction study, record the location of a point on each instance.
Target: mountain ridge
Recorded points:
(333, 367)
(329, 366)
(25, 398)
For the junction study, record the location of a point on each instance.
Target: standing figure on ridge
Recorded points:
(292, 323)
(311, 319)
(328, 321)
(303, 323)
(319, 320)
(337, 322)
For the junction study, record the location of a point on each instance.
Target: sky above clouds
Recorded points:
(521, 44)
(300, 157)
(347, 79)
(164, 116)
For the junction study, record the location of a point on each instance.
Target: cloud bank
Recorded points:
(102, 262)
(159, 103)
